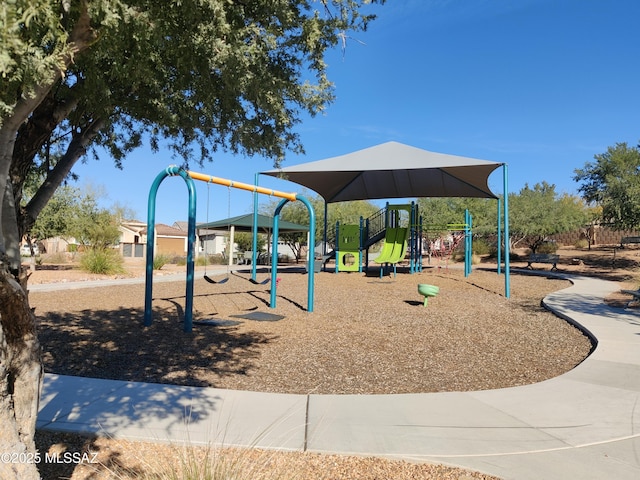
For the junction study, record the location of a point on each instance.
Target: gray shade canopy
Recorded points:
(392, 170)
(244, 223)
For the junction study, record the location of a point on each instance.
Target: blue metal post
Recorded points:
(337, 243)
(420, 267)
(172, 170)
(507, 240)
(311, 248)
(467, 243)
(499, 241)
(361, 244)
(255, 230)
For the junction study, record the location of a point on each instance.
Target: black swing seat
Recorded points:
(255, 282)
(211, 280)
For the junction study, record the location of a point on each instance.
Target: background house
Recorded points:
(132, 239)
(170, 240)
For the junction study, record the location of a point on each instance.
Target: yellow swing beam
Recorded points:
(243, 186)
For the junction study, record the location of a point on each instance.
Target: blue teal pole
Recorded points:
(412, 232)
(361, 244)
(507, 240)
(499, 241)
(172, 170)
(274, 253)
(467, 247)
(337, 249)
(151, 233)
(324, 234)
(255, 230)
(191, 239)
(470, 243)
(311, 248)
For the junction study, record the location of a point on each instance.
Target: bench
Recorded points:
(543, 258)
(629, 241)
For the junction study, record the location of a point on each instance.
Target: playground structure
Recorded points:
(189, 177)
(401, 229)
(394, 224)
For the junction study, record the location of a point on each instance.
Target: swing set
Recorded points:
(189, 177)
(229, 259)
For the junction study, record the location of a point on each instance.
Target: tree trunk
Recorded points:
(21, 377)
(21, 371)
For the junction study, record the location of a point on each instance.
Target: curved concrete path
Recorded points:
(584, 424)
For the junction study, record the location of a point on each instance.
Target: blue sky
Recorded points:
(542, 85)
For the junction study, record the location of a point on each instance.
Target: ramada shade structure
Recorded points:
(392, 170)
(396, 170)
(244, 223)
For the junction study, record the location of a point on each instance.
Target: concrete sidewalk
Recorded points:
(584, 424)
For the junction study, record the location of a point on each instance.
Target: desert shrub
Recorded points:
(548, 247)
(209, 463)
(102, 261)
(216, 259)
(582, 243)
(179, 260)
(160, 260)
(482, 247)
(59, 258)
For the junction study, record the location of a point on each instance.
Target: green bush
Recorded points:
(102, 261)
(160, 260)
(215, 259)
(56, 258)
(482, 247)
(582, 243)
(548, 247)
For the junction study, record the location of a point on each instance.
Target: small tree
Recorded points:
(244, 241)
(613, 183)
(54, 219)
(538, 212)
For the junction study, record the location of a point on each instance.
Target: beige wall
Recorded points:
(603, 236)
(171, 246)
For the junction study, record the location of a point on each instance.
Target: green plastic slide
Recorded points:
(387, 246)
(400, 246)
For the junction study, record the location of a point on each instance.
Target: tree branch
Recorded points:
(77, 148)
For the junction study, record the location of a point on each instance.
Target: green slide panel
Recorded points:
(400, 247)
(387, 247)
(348, 250)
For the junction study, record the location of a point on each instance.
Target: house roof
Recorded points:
(167, 231)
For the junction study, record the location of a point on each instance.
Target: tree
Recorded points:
(54, 219)
(612, 182)
(538, 212)
(92, 226)
(201, 75)
(244, 241)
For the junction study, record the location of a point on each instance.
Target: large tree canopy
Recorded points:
(201, 75)
(612, 182)
(197, 75)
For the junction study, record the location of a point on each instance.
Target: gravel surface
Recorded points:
(366, 335)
